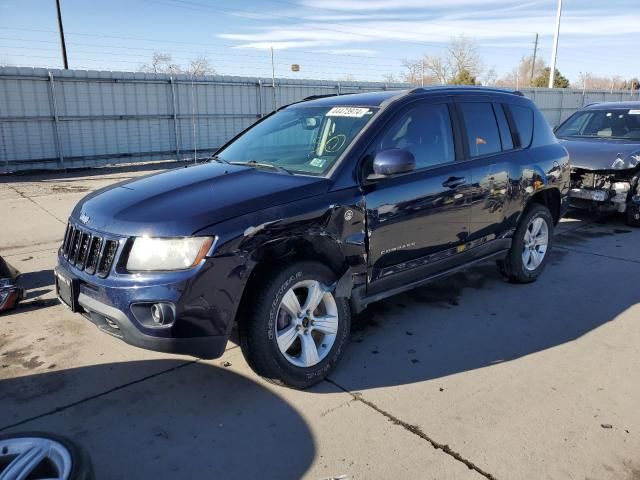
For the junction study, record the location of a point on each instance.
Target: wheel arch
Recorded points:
(276, 253)
(550, 198)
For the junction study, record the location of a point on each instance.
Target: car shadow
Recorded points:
(476, 319)
(177, 420)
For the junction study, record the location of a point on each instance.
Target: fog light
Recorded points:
(161, 313)
(156, 314)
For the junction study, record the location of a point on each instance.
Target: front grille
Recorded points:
(88, 251)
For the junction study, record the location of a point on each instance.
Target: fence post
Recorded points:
(175, 117)
(260, 113)
(56, 126)
(338, 87)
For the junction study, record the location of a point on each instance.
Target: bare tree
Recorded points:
(200, 66)
(389, 78)
(462, 59)
(161, 63)
(588, 80)
(521, 76)
(463, 55)
(490, 78)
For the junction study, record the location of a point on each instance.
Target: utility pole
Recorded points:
(533, 62)
(554, 57)
(273, 79)
(62, 42)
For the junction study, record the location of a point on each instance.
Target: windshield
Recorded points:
(622, 124)
(305, 140)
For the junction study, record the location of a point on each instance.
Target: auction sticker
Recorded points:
(355, 112)
(634, 112)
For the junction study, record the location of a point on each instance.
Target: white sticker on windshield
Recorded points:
(355, 112)
(317, 162)
(634, 112)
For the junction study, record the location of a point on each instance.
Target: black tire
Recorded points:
(633, 214)
(258, 330)
(81, 466)
(513, 266)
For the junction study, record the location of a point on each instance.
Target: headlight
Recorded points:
(162, 254)
(620, 163)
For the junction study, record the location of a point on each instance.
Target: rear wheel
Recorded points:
(530, 246)
(296, 329)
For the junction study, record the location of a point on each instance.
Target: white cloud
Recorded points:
(368, 5)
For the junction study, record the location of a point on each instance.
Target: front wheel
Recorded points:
(296, 329)
(530, 246)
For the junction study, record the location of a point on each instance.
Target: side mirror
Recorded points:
(393, 161)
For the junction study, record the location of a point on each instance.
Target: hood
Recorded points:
(185, 200)
(597, 154)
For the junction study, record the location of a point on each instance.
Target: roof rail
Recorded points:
(315, 97)
(478, 88)
(592, 103)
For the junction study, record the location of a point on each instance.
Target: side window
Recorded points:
(425, 131)
(505, 132)
(482, 128)
(523, 118)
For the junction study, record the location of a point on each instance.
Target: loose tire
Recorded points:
(295, 329)
(43, 455)
(530, 247)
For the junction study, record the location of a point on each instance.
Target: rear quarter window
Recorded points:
(523, 118)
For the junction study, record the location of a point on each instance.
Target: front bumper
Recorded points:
(203, 301)
(612, 200)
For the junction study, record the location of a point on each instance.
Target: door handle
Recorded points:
(454, 182)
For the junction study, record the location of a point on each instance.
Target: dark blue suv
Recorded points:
(311, 214)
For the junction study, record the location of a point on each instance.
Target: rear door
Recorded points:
(491, 150)
(415, 219)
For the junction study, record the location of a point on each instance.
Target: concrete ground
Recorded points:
(470, 377)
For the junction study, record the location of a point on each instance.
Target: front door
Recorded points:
(416, 219)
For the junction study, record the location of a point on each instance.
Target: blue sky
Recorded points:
(329, 39)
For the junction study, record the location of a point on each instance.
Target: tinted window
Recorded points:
(523, 118)
(505, 132)
(425, 131)
(482, 128)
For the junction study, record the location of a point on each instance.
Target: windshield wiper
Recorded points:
(254, 163)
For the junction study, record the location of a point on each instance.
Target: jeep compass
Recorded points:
(311, 214)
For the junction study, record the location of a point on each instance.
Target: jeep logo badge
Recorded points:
(84, 218)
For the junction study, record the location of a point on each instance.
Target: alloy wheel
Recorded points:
(307, 323)
(536, 242)
(34, 457)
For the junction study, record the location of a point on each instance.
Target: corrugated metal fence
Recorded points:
(54, 119)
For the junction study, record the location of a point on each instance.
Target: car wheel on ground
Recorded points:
(296, 329)
(43, 455)
(530, 247)
(633, 209)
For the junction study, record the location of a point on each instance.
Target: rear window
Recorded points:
(482, 129)
(523, 118)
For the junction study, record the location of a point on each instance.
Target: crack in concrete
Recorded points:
(97, 395)
(415, 430)
(35, 203)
